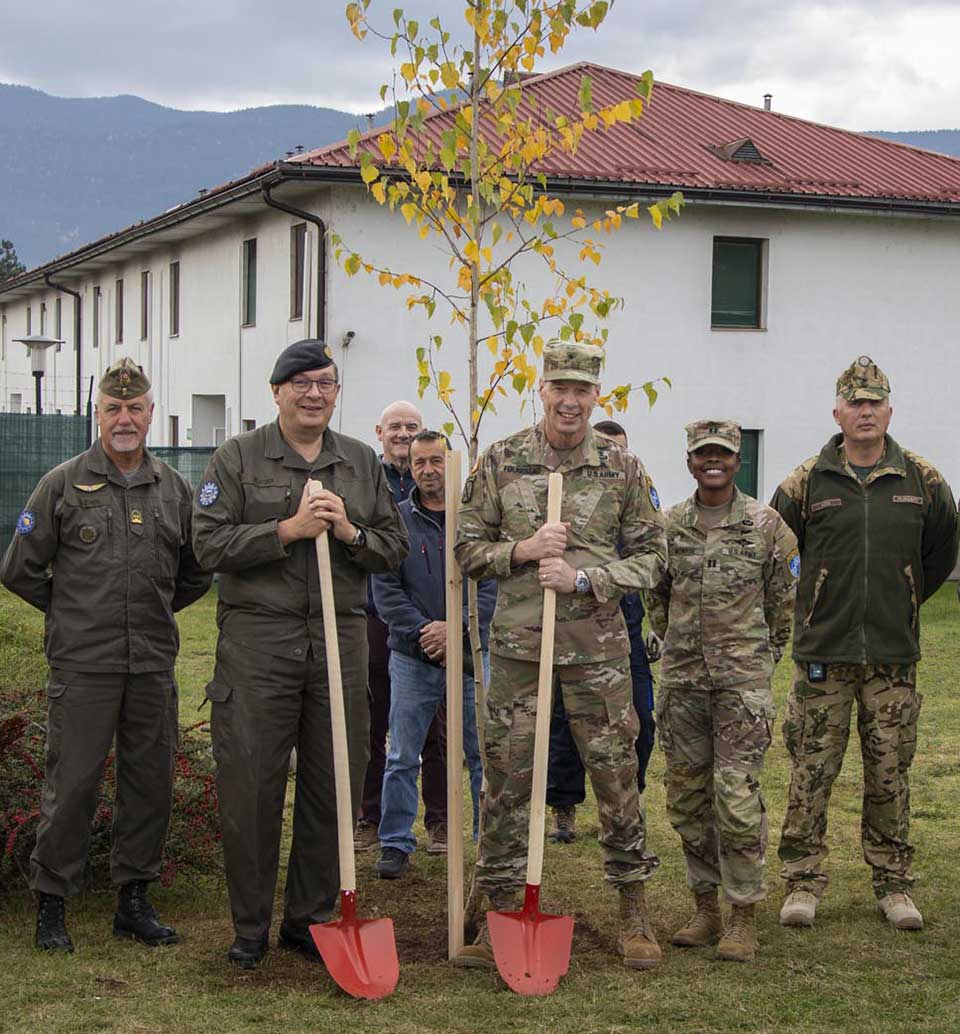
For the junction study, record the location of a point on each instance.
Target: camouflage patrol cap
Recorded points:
(125, 379)
(569, 361)
(713, 432)
(863, 379)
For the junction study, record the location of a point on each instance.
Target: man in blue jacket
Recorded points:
(413, 606)
(566, 776)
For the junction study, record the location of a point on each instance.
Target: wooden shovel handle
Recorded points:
(541, 740)
(338, 718)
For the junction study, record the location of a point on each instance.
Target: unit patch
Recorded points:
(209, 493)
(654, 498)
(793, 562)
(915, 499)
(468, 489)
(88, 534)
(26, 522)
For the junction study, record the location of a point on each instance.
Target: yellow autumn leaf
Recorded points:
(369, 173)
(408, 210)
(656, 215)
(387, 145)
(379, 192)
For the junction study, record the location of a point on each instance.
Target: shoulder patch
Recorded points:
(468, 489)
(793, 562)
(26, 522)
(209, 493)
(654, 498)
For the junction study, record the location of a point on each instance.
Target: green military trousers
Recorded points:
(84, 713)
(263, 707)
(815, 731)
(598, 699)
(714, 742)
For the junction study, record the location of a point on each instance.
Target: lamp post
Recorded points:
(37, 345)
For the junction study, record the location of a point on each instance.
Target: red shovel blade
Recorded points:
(531, 948)
(360, 954)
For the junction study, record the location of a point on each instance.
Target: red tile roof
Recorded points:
(679, 142)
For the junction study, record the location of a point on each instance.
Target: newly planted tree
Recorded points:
(466, 164)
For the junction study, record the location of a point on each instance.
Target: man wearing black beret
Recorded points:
(255, 524)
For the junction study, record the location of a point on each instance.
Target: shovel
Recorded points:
(360, 954)
(531, 948)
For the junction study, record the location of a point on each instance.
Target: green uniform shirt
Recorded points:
(108, 560)
(607, 499)
(270, 594)
(872, 552)
(723, 607)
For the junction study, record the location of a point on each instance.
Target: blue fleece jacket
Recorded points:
(415, 595)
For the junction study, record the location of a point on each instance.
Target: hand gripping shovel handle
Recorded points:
(541, 740)
(338, 719)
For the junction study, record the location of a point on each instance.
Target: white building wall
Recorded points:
(838, 285)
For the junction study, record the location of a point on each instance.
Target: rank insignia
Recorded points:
(26, 522)
(209, 493)
(136, 516)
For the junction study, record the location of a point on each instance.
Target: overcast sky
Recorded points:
(871, 64)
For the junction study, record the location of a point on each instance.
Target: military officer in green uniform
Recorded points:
(608, 499)
(877, 528)
(723, 610)
(255, 523)
(103, 549)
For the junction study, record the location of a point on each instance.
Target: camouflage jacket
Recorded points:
(607, 499)
(872, 552)
(723, 606)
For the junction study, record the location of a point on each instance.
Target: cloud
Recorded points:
(866, 64)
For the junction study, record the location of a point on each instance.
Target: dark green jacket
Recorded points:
(870, 552)
(108, 560)
(270, 594)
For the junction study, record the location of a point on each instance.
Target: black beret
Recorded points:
(309, 354)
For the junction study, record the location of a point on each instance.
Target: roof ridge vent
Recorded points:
(742, 150)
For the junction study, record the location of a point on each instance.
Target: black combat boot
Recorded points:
(137, 919)
(51, 932)
(247, 952)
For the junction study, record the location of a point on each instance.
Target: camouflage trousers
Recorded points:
(815, 731)
(598, 699)
(714, 742)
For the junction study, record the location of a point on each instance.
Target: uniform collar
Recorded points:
(100, 463)
(278, 448)
(737, 514)
(583, 455)
(833, 457)
(417, 506)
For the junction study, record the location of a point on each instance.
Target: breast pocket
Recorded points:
(266, 499)
(87, 528)
(168, 536)
(522, 514)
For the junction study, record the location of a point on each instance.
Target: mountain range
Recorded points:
(74, 169)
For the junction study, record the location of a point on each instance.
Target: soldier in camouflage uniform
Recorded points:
(723, 611)
(877, 528)
(607, 498)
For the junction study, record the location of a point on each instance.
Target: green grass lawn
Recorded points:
(851, 973)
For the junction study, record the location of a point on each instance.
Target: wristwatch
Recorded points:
(360, 539)
(582, 582)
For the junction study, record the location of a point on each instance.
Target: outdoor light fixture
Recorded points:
(37, 345)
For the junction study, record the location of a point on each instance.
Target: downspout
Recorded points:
(77, 326)
(321, 254)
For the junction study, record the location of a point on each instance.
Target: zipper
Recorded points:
(426, 557)
(866, 580)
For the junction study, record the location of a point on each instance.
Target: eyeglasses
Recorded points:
(301, 385)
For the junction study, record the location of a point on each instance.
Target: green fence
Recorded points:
(30, 445)
(190, 461)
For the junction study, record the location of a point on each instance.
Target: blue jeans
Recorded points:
(416, 691)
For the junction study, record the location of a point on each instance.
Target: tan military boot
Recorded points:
(564, 829)
(704, 927)
(799, 908)
(739, 941)
(638, 942)
(900, 911)
(479, 955)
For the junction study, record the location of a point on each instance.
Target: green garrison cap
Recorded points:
(713, 432)
(125, 379)
(563, 361)
(863, 379)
